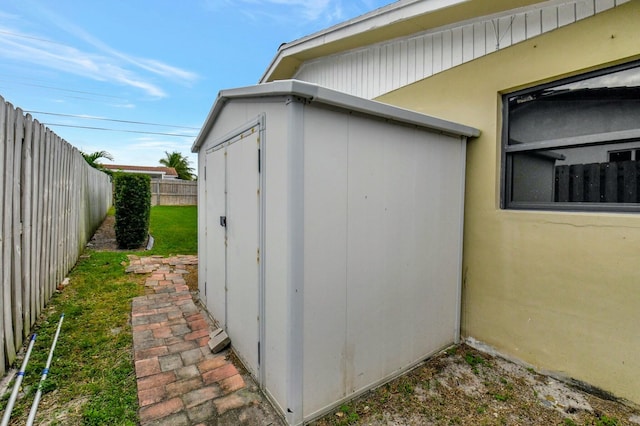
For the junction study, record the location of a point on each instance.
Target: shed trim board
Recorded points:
(463, 180)
(332, 279)
(295, 283)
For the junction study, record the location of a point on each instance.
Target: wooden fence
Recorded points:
(51, 202)
(613, 182)
(173, 192)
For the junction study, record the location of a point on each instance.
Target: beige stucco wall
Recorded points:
(560, 291)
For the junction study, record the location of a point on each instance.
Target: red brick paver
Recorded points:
(179, 380)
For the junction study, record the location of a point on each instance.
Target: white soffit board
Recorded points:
(373, 70)
(313, 93)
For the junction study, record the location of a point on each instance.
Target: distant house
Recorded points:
(159, 172)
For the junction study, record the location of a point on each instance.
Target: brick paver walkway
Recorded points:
(180, 382)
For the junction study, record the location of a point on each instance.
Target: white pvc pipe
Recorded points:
(45, 372)
(16, 386)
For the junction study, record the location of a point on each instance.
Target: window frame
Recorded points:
(608, 138)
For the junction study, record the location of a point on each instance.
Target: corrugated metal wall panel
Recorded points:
(381, 68)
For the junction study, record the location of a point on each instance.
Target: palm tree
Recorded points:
(180, 163)
(93, 158)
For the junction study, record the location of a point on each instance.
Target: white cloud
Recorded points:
(150, 65)
(73, 61)
(97, 61)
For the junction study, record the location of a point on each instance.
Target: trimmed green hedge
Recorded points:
(133, 206)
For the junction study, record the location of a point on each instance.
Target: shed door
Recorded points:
(215, 236)
(233, 248)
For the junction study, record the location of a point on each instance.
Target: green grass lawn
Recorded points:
(92, 378)
(174, 229)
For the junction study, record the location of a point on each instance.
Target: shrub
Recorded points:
(133, 205)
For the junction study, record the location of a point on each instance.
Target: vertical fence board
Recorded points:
(57, 218)
(562, 184)
(33, 244)
(27, 202)
(7, 249)
(44, 256)
(3, 271)
(62, 215)
(16, 287)
(70, 253)
(68, 249)
(39, 249)
(629, 181)
(592, 183)
(54, 197)
(44, 296)
(78, 183)
(609, 175)
(577, 183)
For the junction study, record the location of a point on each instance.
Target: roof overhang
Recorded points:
(399, 19)
(313, 93)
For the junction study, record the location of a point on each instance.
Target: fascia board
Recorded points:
(313, 93)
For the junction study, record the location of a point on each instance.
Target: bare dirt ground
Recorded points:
(105, 236)
(461, 386)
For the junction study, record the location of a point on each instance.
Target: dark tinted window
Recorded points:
(573, 144)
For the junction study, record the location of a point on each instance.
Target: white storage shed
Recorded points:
(330, 238)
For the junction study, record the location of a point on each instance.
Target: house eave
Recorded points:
(398, 19)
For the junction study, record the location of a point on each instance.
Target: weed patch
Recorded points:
(474, 361)
(347, 415)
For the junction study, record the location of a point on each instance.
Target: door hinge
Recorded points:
(259, 161)
(258, 352)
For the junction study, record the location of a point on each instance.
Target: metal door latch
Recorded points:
(223, 221)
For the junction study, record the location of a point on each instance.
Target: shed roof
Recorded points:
(399, 19)
(313, 93)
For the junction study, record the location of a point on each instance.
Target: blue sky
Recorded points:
(145, 61)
